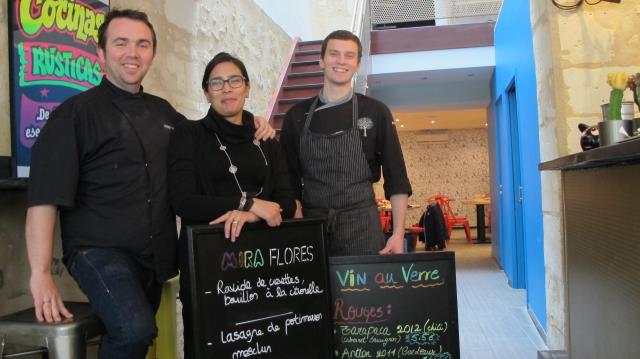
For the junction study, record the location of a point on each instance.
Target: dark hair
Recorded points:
(341, 35)
(218, 59)
(127, 14)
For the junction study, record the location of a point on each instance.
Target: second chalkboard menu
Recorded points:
(401, 306)
(264, 296)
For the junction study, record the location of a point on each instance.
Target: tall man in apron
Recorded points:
(336, 145)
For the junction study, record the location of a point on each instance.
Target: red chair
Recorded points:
(450, 217)
(385, 221)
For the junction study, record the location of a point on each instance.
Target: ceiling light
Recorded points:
(433, 121)
(397, 120)
(402, 126)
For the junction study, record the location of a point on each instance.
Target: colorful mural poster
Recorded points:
(53, 57)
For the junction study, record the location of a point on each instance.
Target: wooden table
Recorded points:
(479, 203)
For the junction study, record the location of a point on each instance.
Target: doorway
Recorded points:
(510, 189)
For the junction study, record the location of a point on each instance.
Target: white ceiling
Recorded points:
(435, 99)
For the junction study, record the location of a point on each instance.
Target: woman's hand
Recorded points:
(267, 210)
(234, 221)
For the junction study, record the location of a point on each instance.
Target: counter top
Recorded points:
(618, 154)
(8, 184)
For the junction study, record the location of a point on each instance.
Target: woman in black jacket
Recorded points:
(219, 173)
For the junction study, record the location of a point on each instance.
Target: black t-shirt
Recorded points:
(380, 145)
(101, 158)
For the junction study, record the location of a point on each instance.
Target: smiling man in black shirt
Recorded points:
(337, 144)
(101, 162)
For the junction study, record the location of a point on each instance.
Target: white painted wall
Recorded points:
(294, 17)
(309, 19)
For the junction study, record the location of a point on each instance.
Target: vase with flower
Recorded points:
(613, 128)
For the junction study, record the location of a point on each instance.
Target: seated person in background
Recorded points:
(219, 173)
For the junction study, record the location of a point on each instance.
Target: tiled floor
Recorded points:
(493, 318)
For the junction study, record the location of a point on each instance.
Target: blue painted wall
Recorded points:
(515, 64)
(493, 175)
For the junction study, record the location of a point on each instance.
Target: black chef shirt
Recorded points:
(101, 158)
(381, 146)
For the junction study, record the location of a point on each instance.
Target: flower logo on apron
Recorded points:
(365, 123)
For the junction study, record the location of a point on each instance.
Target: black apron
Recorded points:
(337, 186)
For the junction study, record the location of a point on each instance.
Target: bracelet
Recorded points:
(248, 204)
(243, 202)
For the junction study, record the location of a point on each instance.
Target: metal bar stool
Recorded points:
(63, 340)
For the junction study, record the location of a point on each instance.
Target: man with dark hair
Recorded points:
(128, 14)
(101, 162)
(336, 144)
(341, 35)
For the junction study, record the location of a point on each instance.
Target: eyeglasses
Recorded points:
(216, 84)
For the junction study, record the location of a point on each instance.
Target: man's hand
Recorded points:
(395, 245)
(46, 299)
(39, 229)
(264, 131)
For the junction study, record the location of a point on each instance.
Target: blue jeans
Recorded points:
(124, 295)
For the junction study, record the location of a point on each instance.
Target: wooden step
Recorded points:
(305, 66)
(309, 45)
(304, 80)
(313, 77)
(307, 55)
(300, 91)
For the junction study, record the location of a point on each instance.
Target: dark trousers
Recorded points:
(124, 295)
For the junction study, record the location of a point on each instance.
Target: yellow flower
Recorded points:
(618, 80)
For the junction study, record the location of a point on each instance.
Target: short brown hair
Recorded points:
(341, 35)
(127, 14)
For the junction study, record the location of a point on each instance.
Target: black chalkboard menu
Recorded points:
(264, 296)
(401, 306)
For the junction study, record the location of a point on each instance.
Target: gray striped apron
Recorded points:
(337, 186)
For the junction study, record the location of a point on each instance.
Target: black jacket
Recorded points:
(201, 187)
(101, 158)
(435, 227)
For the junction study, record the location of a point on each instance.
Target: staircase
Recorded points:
(303, 80)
